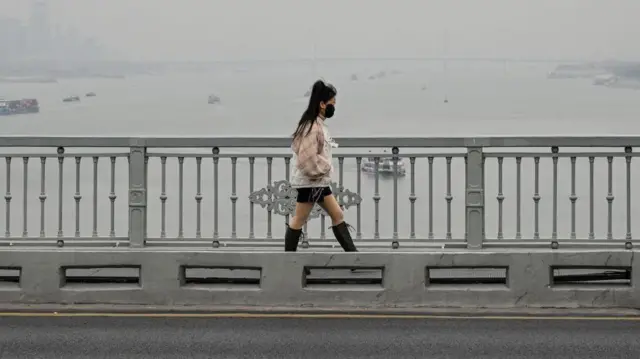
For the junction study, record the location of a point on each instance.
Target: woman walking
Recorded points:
(312, 169)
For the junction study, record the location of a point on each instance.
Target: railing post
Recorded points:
(137, 197)
(474, 198)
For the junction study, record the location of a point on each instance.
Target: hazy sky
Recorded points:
(282, 29)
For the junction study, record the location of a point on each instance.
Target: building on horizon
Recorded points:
(39, 40)
(13, 39)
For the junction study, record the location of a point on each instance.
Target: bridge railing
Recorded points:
(416, 192)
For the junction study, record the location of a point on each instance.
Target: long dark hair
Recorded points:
(320, 92)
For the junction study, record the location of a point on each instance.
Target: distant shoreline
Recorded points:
(53, 80)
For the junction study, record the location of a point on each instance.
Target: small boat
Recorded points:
(213, 99)
(71, 99)
(91, 94)
(354, 77)
(605, 80)
(385, 166)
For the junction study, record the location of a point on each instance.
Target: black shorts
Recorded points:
(313, 194)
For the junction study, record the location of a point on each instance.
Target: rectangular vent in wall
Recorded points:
(9, 277)
(322, 277)
(591, 276)
(223, 277)
(109, 276)
(466, 276)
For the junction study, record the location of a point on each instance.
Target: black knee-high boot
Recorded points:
(291, 238)
(341, 231)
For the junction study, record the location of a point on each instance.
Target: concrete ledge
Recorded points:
(404, 283)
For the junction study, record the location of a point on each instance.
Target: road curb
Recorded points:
(6, 309)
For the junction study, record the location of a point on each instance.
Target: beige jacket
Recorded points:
(312, 157)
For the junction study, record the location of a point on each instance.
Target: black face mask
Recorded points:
(329, 111)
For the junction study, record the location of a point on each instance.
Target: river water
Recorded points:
(267, 99)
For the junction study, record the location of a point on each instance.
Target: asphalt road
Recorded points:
(310, 338)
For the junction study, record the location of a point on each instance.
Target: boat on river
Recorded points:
(213, 99)
(19, 107)
(71, 99)
(385, 166)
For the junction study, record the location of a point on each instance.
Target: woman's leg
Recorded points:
(303, 209)
(304, 205)
(331, 206)
(294, 228)
(340, 228)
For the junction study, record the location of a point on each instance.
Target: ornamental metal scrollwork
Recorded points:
(280, 198)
